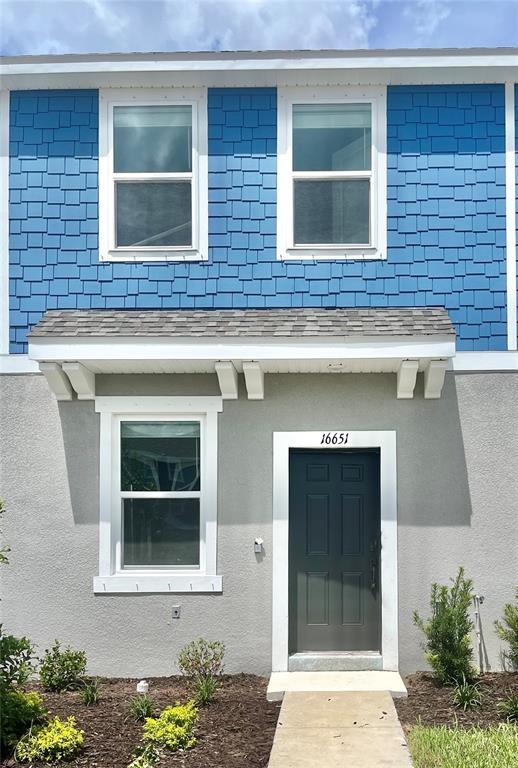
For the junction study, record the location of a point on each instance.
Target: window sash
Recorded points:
(118, 177)
(367, 176)
(166, 567)
(154, 179)
(322, 112)
(120, 495)
(333, 176)
(328, 176)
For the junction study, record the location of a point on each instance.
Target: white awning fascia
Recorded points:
(70, 349)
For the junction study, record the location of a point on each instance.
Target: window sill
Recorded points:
(189, 254)
(328, 253)
(137, 583)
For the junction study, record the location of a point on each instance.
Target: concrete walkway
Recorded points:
(339, 730)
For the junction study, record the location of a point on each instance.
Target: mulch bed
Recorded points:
(234, 731)
(431, 704)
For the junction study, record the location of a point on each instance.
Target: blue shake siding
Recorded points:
(446, 215)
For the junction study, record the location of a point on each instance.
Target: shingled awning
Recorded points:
(432, 321)
(74, 345)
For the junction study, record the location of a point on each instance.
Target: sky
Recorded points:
(123, 26)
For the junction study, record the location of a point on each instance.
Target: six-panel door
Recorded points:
(334, 552)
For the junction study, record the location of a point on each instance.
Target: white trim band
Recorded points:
(223, 348)
(147, 584)
(4, 222)
(510, 212)
(17, 364)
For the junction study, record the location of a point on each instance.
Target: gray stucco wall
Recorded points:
(457, 491)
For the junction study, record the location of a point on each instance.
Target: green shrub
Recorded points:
(201, 659)
(174, 728)
(18, 712)
(509, 709)
(448, 644)
(58, 740)
(140, 707)
(16, 660)
(204, 690)
(467, 695)
(62, 670)
(507, 630)
(91, 692)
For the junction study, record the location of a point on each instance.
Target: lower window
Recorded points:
(158, 494)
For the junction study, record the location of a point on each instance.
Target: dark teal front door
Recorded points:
(334, 551)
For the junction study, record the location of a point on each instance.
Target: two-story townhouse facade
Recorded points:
(259, 365)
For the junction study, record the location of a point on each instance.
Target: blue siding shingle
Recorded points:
(446, 215)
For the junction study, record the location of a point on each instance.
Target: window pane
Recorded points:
(152, 139)
(334, 212)
(153, 213)
(161, 532)
(331, 137)
(160, 456)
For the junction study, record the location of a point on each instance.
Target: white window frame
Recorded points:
(124, 97)
(112, 576)
(287, 98)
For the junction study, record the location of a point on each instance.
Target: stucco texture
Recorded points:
(456, 505)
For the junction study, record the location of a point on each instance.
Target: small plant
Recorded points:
(448, 644)
(467, 695)
(509, 709)
(174, 728)
(146, 757)
(201, 659)
(58, 740)
(19, 711)
(62, 670)
(202, 662)
(16, 660)
(91, 692)
(507, 630)
(141, 707)
(205, 689)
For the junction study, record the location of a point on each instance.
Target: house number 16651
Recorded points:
(334, 438)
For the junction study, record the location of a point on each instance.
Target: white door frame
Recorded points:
(386, 442)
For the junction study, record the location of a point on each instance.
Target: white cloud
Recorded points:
(89, 26)
(426, 16)
(56, 26)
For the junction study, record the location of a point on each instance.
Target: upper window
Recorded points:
(158, 480)
(153, 185)
(331, 175)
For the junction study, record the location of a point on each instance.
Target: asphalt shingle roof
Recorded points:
(422, 321)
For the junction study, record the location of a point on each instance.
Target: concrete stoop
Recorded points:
(284, 682)
(337, 729)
